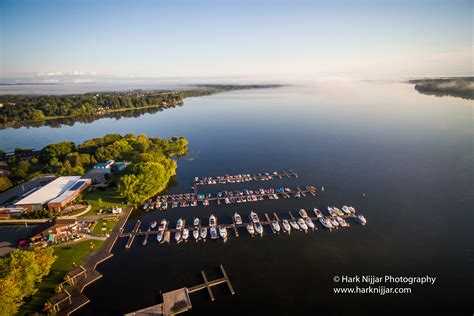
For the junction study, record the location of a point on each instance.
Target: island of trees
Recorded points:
(455, 87)
(21, 110)
(151, 157)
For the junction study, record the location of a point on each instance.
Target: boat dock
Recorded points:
(134, 233)
(179, 301)
(243, 178)
(267, 221)
(185, 200)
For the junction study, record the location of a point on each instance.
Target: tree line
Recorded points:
(67, 158)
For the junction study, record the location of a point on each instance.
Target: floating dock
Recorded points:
(266, 222)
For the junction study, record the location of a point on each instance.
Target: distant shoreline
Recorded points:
(459, 87)
(22, 110)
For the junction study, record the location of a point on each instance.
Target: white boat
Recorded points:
(254, 217)
(259, 228)
(276, 226)
(185, 234)
(346, 210)
(326, 223)
(286, 226)
(179, 224)
(160, 235)
(237, 218)
(162, 226)
(302, 213)
(196, 233)
(338, 211)
(361, 219)
(331, 211)
(309, 222)
(250, 229)
(214, 234)
(334, 222)
(203, 232)
(177, 236)
(196, 221)
(341, 221)
(223, 231)
(153, 224)
(352, 209)
(294, 224)
(213, 221)
(318, 213)
(302, 224)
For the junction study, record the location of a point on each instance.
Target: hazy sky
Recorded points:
(224, 38)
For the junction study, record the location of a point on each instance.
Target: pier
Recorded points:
(178, 301)
(267, 221)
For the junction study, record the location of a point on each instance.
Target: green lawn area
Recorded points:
(109, 225)
(103, 199)
(64, 263)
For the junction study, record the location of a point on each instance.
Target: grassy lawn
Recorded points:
(103, 199)
(64, 263)
(99, 225)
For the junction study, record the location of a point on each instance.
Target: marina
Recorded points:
(275, 223)
(243, 178)
(164, 202)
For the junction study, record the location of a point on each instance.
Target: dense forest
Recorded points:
(19, 110)
(455, 87)
(151, 157)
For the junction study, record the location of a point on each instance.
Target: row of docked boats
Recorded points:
(254, 226)
(240, 178)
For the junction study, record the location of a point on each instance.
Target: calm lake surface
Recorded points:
(402, 159)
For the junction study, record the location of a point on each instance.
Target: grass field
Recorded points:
(66, 257)
(99, 225)
(103, 199)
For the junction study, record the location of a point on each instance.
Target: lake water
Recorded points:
(403, 159)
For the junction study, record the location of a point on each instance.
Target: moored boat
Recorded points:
(196, 233)
(196, 221)
(294, 224)
(302, 224)
(185, 233)
(254, 217)
(237, 218)
(318, 213)
(203, 232)
(361, 219)
(334, 222)
(177, 236)
(286, 226)
(223, 231)
(214, 234)
(276, 226)
(153, 224)
(341, 221)
(326, 223)
(212, 221)
(309, 222)
(331, 211)
(179, 224)
(303, 213)
(338, 211)
(160, 235)
(258, 228)
(250, 229)
(346, 210)
(162, 226)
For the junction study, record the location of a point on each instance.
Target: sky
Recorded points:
(145, 38)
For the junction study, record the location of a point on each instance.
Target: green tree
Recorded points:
(19, 272)
(5, 183)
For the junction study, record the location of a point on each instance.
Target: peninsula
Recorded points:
(20, 110)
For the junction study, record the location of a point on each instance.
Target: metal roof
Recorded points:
(50, 191)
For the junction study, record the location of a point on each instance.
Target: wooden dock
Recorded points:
(133, 234)
(270, 222)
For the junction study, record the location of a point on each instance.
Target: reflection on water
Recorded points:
(401, 158)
